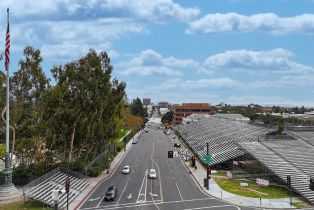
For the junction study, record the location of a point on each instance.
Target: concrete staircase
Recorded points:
(281, 167)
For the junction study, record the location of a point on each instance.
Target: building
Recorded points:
(186, 109)
(146, 101)
(163, 104)
(163, 111)
(193, 118)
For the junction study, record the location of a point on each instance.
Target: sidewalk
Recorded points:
(217, 192)
(95, 181)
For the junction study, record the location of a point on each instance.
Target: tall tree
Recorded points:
(28, 85)
(87, 103)
(137, 108)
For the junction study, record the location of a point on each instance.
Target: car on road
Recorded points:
(134, 141)
(126, 170)
(152, 174)
(111, 193)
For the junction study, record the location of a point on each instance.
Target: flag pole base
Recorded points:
(7, 189)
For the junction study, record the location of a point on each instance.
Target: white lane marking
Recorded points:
(113, 172)
(93, 199)
(157, 201)
(160, 187)
(145, 186)
(139, 193)
(129, 196)
(149, 204)
(122, 193)
(210, 207)
(179, 191)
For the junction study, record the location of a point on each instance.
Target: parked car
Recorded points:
(126, 170)
(152, 174)
(134, 141)
(111, 193)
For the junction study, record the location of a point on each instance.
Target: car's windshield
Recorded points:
(109, 193)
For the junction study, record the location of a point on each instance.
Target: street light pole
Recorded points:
(207, 172)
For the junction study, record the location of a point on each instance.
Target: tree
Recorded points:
(167, 118)
(28, 85)
(137, 108)
(85, 108)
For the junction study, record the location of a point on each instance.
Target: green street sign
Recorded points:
(207, 159)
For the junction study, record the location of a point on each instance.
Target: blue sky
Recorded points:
(232, 51)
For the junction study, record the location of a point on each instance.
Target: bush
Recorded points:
(94, 171)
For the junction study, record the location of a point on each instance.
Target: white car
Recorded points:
(126, 170)
(152, 174)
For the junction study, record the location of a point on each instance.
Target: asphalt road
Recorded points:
(174, 188)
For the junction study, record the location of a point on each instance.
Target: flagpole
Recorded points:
(7, 171)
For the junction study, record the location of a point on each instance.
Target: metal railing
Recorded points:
(40, 180)
(98, 158)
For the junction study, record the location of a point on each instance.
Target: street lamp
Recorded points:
(55, 197)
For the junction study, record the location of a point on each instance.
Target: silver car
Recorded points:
(152, 174)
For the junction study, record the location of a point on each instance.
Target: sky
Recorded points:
(231, 51)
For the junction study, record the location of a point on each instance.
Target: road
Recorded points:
(174, 187)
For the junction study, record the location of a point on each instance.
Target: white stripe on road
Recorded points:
(122, 193)
(210, 207)
(151, 202)
(139, 193)
(179, 192)
(145, 186)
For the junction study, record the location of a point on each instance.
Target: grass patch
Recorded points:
(300, 204)
(233, 186)
(29, 205)
(220, 173)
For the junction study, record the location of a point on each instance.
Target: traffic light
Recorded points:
(311, 184)
(289, 181)
(209, 171)
(193, 161)
(170, 154)
(67, 185)
(177, 145)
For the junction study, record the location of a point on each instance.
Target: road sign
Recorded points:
(207, 159)
(175, 154)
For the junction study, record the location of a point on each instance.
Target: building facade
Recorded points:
(146, 101)
(163, 104)
(186, 109)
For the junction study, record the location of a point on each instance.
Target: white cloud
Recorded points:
(262, 62)
(72, 51)
(149, 62)
(265, 22)
(157, 10)
(77, 24)
(64, 40)
(180, 84)
(98, 30)
(151, 70)
(288, 81)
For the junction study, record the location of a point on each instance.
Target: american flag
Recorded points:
(7, 49)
